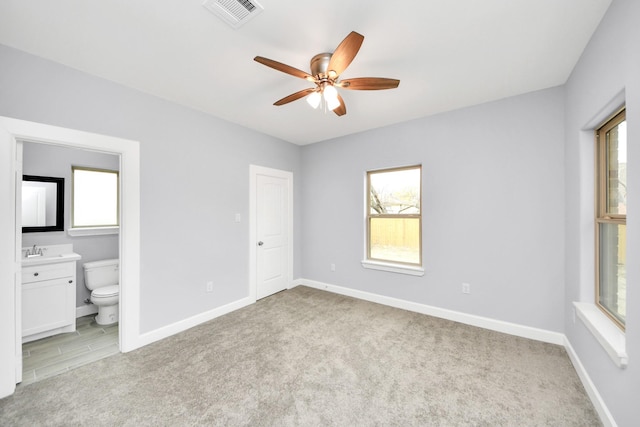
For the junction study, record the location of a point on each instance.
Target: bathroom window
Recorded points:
(611, 218)
(95, 198)
(394, 219)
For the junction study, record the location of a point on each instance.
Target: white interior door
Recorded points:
(272, 237)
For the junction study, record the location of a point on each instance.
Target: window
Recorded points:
(394, 220)
(94, 198)
(611, 218)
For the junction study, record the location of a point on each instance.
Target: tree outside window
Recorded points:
(394, 219)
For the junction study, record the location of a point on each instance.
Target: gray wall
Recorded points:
(609, 65)
(49, 160)
(194, 179)
(492, 209)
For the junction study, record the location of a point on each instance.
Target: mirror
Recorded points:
(42, 204)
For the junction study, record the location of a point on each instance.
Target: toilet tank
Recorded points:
(101, 273)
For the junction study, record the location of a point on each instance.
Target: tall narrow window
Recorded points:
(95, 198)
(394, 219)
(611, 218)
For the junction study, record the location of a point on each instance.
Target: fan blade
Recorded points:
(369, 83)
(344, 53)
(295, 96)
(284, 68)
(341, 110)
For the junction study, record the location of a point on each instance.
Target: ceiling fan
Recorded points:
(325, 70)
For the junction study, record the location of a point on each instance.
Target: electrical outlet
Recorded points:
(333, 267)
(209, 286)
(466, 288)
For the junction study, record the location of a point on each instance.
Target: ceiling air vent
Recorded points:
(234, 12)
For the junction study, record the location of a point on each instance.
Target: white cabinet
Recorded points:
(48, 300)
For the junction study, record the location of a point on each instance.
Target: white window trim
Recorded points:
(610, 337)
(393, 268)
(607, 334)
(93, 231)
(389, 266)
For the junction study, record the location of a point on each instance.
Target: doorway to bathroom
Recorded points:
(48, 350)
(12, 130)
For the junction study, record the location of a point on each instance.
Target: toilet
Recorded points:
(102, 278)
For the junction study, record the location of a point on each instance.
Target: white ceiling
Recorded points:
(447, 54)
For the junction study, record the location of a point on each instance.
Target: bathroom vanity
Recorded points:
(48, 291)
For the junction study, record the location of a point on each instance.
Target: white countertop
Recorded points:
(41, 260)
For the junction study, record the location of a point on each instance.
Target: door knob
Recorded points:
(260, 243)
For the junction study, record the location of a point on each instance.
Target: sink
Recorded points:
(52, 254)
(51, 259)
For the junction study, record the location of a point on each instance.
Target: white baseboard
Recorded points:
(183, 325)
(86, 310)
(457, 316)
(589, 386)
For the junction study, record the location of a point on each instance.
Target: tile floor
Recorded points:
(60, 353)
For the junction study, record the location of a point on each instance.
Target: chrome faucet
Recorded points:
(35, 251)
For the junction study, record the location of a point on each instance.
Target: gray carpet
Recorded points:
(305, 357)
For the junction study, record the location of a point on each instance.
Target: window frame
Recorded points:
(95, 226)
(411, 267)
(602, 216)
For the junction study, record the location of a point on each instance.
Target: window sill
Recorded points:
(393, 268)
(93, 231)
(610, 337)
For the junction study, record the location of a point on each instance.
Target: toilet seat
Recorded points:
(106, 291)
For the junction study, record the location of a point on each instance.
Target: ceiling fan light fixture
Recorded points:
(314, 99)
(330, 95)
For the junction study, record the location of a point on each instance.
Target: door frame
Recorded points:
(129, 152)
(254, 171)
